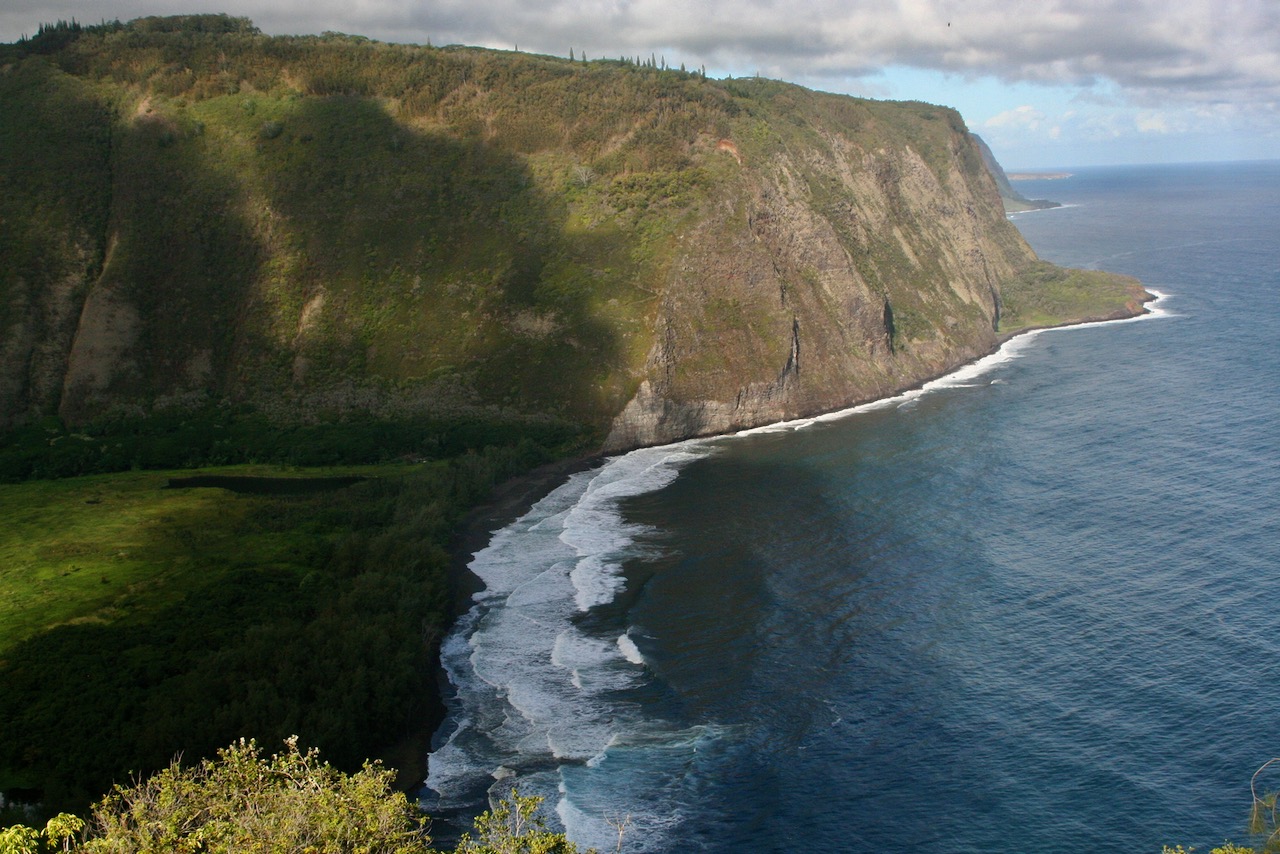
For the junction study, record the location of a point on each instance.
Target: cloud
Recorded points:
(1194, 49)
(1148, 122)
(1150, 57)
(1024, 121)
(1026, 117)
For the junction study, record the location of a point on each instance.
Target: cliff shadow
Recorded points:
(55, 147)
(179, 268)
(231, 616)
(420, 257)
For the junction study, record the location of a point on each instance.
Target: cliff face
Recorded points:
(1013, 200)
(320, 227)
(834, 274)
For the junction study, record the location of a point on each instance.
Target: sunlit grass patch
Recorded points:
(1045, 295)
(109, 547)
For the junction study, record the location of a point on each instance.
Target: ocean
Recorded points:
(1031, 607)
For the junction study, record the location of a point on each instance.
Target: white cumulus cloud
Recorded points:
(1026, 117)
(1148, 122)
(1152, 57)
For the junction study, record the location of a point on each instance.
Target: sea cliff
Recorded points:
(223, 248)
(325, 227)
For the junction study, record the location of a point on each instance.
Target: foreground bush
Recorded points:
(287, 802)
(1264, 822)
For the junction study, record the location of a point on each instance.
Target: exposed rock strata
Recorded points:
(813, 307)
(685, 257)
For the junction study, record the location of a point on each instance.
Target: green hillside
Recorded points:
(318, 226)
(443, 266)
(376, 225)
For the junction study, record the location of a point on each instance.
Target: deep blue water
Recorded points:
(1031, 608)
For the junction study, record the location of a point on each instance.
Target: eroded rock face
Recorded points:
(42, 322)
(699, 257)
(108, 330)
(839, 276)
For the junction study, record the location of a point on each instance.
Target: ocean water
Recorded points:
(1032, 607)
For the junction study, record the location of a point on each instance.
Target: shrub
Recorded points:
(290, 801)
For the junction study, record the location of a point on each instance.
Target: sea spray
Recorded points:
(545, 698)
(539, 689)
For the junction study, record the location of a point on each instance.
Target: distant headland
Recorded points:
(1014, 202)
(1037, 176)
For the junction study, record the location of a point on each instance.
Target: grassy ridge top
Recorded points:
(1044, 295)
(363, 225)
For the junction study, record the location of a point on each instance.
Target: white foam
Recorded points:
(629, 650)
(535, 688)
(1062, 207)
(634, 782)
(594, 526)
(962, 377)
(593, 663)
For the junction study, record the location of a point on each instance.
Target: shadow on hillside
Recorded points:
(264, 617)
(435, 256)
(55, 145)
(179, 272)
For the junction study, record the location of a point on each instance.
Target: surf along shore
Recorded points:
(514, 498)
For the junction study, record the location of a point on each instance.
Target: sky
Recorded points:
(1047, 83)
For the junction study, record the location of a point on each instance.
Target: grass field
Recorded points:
(111, 548)
(138, 622)
(1045, 295)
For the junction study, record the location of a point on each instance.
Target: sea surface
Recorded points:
(1032, 607)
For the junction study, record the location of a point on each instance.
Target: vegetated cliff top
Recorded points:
(319, 226)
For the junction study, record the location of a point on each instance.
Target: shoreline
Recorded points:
(516, 496)
(513, 498)
(510, 500)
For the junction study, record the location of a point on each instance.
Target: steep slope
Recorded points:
(319, 227)
(861, 250)
(1013, 200)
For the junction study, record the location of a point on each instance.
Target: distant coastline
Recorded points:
(1037, 176)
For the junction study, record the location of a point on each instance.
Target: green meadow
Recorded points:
(1046, 295)
(139, 621)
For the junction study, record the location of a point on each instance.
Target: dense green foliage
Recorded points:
(1046, 295)
(241, 801)
(138, 621)
(288, 802)
(49, 448)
